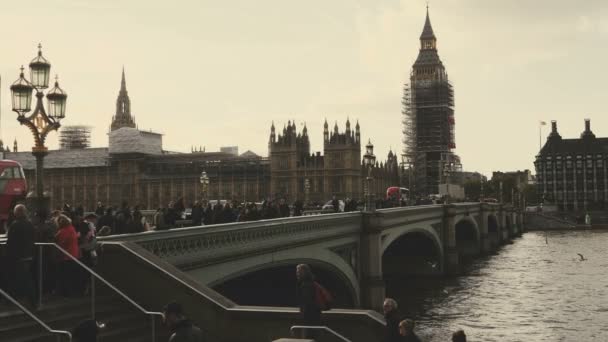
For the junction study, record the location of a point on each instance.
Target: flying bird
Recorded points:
(582, 257)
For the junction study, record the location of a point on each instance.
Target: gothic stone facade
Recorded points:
(136, 169)
(338, 172)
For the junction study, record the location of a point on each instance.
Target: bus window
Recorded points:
(7, 173)
(12, 173)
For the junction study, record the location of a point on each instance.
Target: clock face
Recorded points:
(423, 82)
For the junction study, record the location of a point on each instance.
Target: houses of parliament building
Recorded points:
(135, 168)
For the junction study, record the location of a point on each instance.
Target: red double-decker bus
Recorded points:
(13, 188)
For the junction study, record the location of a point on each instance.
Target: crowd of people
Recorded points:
(75, 233)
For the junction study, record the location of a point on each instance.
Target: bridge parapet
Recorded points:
(198, 246)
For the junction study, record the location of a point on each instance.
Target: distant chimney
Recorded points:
(553, 126)
(587, 133)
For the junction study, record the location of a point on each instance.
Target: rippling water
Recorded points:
(528, 291)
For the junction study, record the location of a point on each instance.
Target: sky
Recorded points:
(217, 73)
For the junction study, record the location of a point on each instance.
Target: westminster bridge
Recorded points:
(350, 253)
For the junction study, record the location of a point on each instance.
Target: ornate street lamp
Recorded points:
(204, 179)
(447, 170)
(39, 122)
(306, 191)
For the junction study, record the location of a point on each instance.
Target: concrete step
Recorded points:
(123, 322)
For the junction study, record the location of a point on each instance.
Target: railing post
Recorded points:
(92, 296)
(40, 276)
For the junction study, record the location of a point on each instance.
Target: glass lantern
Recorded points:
(56, 100)
(40, 69)
(21, 92)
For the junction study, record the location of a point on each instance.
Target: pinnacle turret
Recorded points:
(123, 117)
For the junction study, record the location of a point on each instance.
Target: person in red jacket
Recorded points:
(67, 269)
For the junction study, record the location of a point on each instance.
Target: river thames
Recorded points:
(536, 289)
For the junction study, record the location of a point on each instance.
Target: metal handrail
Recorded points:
(93, 273)
(317, 327)
(32, 316)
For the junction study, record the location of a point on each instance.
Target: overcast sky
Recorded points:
(216, 73)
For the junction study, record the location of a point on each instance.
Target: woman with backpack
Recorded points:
(307, 293)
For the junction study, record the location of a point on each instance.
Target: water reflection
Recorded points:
(530, 291)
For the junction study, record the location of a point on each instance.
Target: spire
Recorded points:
(123, 117)
(427, 32)
(123, 82)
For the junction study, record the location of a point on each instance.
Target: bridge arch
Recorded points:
(412, 252)
(467, 237)
(272, 282)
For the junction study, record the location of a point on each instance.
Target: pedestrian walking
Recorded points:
(306, 294)
(100, 210)
(20, 255)
(67, 269)
(283, 208)
(392, 317)
(181, 328)
(197, 214)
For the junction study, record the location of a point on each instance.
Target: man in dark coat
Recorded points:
(310, 311)
(182, 329)
(20, 255)
(100, 210)
(107, 220)
(298, 208)
(283, 208)
(393, 317)
(197, 214)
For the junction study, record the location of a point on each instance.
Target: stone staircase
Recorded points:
(123, 322)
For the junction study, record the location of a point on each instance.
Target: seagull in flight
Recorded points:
(432, 264)
(582, 257)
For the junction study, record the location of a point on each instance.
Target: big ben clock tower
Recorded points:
(428, 109)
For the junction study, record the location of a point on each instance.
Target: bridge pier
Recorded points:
(485, 245)
(371, 281)
(451, 260)
(520, 223)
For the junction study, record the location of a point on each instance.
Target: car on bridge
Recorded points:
(329, 207)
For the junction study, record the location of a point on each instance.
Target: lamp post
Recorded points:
(306, 191)
(481, 190)
(204, 184)
(39, 121)
(447, 169)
